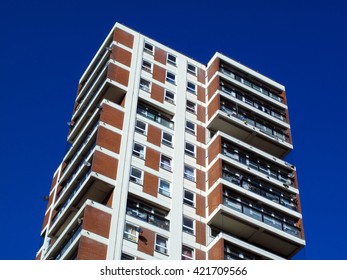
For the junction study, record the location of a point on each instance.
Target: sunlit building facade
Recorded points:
(173, 159)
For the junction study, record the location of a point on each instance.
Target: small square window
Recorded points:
(188, 225)
(161, 244)
(145, 85)
(191, 107)
(147, 66)
(169, 96)
(171, 59)
(165, 162)
(189, 198)
(171, 78)
(190, 127)
(166, 139)
(164, 187)
(139, 150)
(189, 173)
(191, 87)
(190, 149)
(187, 253)
(136, 175)
(141, 127)
(191, 69)
(131, 233)
(149, 48)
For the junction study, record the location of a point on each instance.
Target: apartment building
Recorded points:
(173, 159)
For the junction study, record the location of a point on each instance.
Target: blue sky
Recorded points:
(46, 45)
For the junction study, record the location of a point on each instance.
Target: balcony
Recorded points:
(260, 226)
(154, 115)
(75, 235)
(249, 128)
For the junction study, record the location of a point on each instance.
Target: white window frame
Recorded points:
(132, 235)
(189, 176)
(164, 165)
(171, 61)
(191, 87)
(164, 191)
(169, 99)
(160, 248)
(188, 201)
(191, 109)
(133, 178)
(147, 68)
(188, 152)
(190, 130)
(169, 79)
(140, 129)
(164, 141)
(140, 154)
(148, 48)
(188, 249)
(186, 228)
(193, 72)
(146, 88)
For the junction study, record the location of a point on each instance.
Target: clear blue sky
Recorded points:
(46, 45)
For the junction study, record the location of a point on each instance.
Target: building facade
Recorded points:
(173, 159)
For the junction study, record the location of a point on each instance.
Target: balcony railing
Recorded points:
(154, 116)
(261, 189)
(69, 242)
(231, 253)
(148, 217)
(251, 84)
(263, 126)
(255, 164)
(259, 215)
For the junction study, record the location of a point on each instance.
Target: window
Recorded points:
(166, 139)
(191, 107)
(136, 175)
(139, 150)
(145, 85)
(187, 253)
(149, 48)
(191, 87)
(189, 198)
(190, 127)
(191, 69)
(189, 173)
(171, 78)
(131, 233)
(127, 257)
(165, 162)
(188, 225)
(169, 97)
(190, 149)
(164, 187)
(171, 59)
(141, 127)
(161, 244)
(147, 66)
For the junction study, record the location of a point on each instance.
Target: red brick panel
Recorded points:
(217, 251)
(45, 220)
(214, 173)
(214, 67)
(123, 37)
(121, 55)
(146, 242)
(213, 107)
(150, 184)
(105, 165)
(200, 180)
(214, 149)
(200, 136)
(89, 249)
(201, 75)
(200, 255)
(112, 116)
(213, 87)
(160, 55)
(200, 156)
(96, 221)
(108, 139)
(159, 73)
(201, 113)
(118, 74)
(152, 158)
(154, 135)
(215, 198)
(157, 93)
(201, 94)
(200, 232)
(200, 205)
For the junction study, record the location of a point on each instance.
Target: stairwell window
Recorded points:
(187, 253)
(191, 87)
(190, 127)
(148, 48)
(171, 59)
(188, 225)
(130, 233)
(166, 162)
(161, 245)
(189, 198)
(190, 149)
(145, 85)
(170, 77)
(141, 127)
(191, 69)
(191, 107)
(139, 151)
(164, 187)
(166, 139)
(147, 66)
(189, 173)
(136, 175)
(169, 96)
